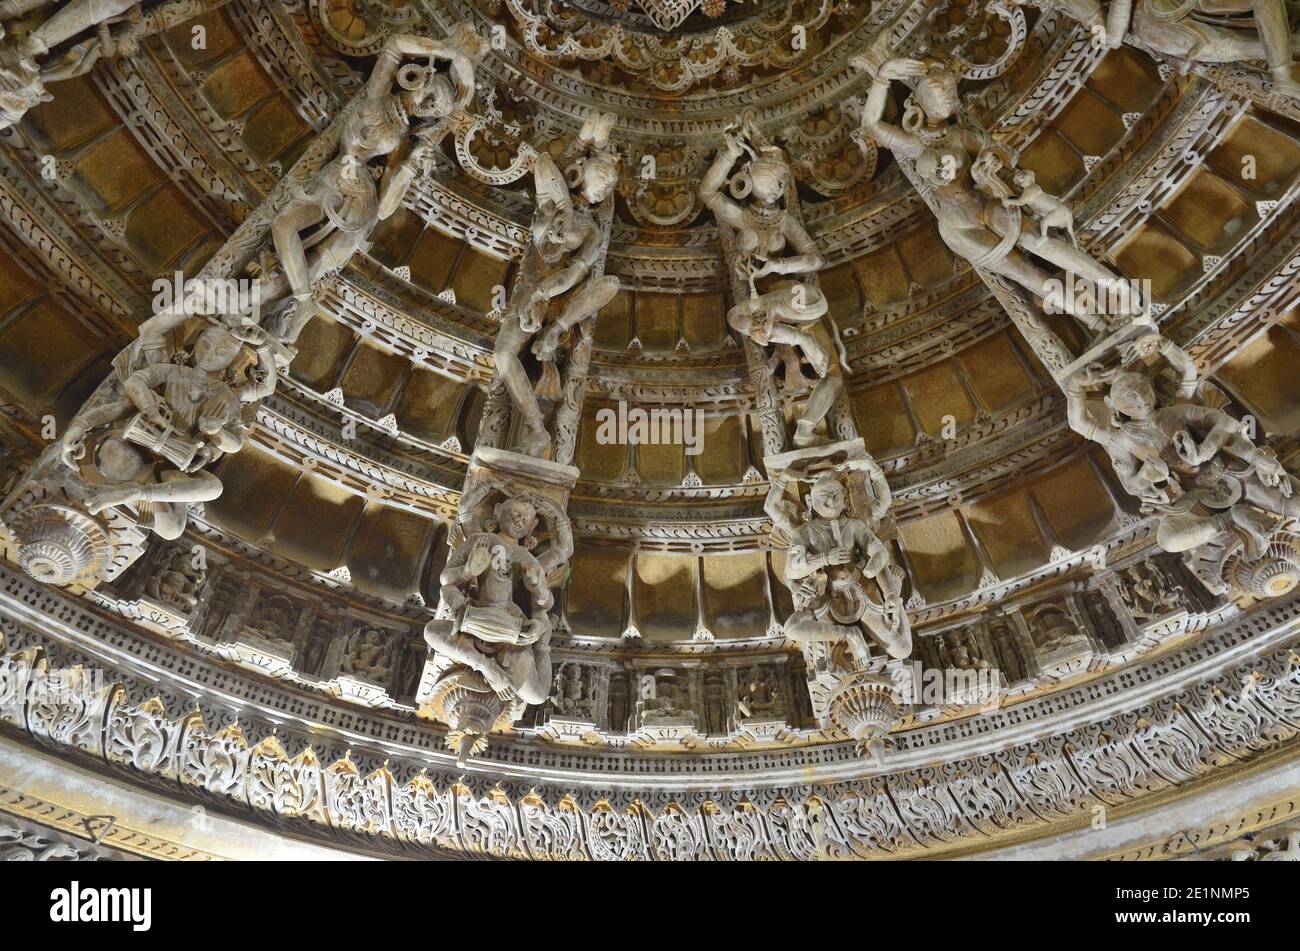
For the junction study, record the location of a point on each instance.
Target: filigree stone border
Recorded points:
(998, 788)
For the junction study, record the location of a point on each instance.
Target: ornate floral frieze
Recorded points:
(27, 842)
(1149, 734)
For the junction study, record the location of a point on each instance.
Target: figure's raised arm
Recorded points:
(462, 77)
(1078, 406)
(873, 124)
(1188, 376)
(560, 549)
(723, 208)
(784, 515)
(1117, 22)
(882, 496)
(402, 45)
(466, 562)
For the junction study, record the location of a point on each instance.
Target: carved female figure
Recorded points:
(489, 633)
(569, 234)
(72, 40)
(959, 165)
(764, 230)
(23, 77)
(341, 199)
(1199, 31)
(147, 442)
(1182, 455)
(834, 562)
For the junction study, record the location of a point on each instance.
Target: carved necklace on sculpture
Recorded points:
(764, 233)
(1144, 434)
(379, 131)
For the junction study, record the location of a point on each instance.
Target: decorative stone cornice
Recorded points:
(1173, 723)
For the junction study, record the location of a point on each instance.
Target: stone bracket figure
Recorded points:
(135, 459)
(849, 620)
(335, 209)
(840, 574)
(759, 222)
(70, 41)
(490, 643)
(958, 168)
(1197, 31)
(138, 452)
(1175, 448)
(565, 255)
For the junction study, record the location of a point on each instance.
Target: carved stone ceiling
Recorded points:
(1017, 545)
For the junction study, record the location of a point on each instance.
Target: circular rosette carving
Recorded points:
(664, 203)
(58, 545)
(489, 158)
(984, 39)
(1273, 574)
(864, 706)
(470, 709)
(359, 27)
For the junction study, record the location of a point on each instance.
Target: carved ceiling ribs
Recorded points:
(362, 475)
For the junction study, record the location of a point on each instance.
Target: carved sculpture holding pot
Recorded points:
(757, 215)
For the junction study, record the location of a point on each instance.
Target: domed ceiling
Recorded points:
(650, 428)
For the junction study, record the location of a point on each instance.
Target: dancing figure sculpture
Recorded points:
(82, 30)
(71, 40)
(335, 209)
(840, 574)
(569, 233)
(1197, 31)
(493, 656)
(166, 415)
(1175, 448)
(762, 227)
